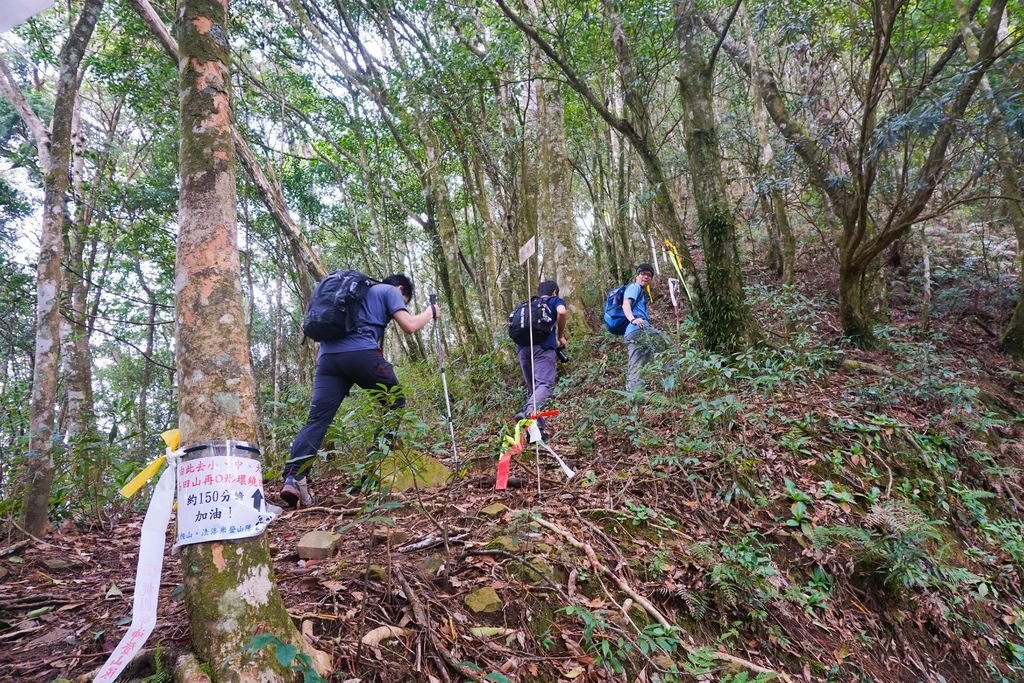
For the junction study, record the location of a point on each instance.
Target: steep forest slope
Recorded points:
(808, 510)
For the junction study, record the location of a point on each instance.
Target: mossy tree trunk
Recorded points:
(854, 304)
(725, 319)
(230, 591)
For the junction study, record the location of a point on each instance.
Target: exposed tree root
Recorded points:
(423, 620)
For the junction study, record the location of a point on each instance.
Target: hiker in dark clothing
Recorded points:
(358, 359)
(541, 373)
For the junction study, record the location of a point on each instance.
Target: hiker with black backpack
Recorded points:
(541, 320)
(347, 314)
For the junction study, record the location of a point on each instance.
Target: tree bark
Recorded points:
(781, 239)
(725, 320)
(309, 265)
(547, 158)
(39, 466)
(230, 591)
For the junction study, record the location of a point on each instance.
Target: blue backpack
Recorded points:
(614, 317)
(334, 307)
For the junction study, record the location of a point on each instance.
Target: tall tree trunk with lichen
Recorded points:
(725, 319)
(559, 256)
(781, 239)
(443, 233)
(55, 152)
(229, 586)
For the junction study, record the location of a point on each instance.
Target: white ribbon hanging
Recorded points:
(147, 575)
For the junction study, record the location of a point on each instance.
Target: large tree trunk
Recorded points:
(229, 587)
(854, 304)
(308, 265)
(559, 259)
(725, 320)
(39, 466)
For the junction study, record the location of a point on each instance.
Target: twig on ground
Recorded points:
(324, 508)
(603, 569)
(14, 635)
(861, 366)
(423, 620)
(15, 547)
(40, 541)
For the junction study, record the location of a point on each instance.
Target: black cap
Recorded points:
(645, 268)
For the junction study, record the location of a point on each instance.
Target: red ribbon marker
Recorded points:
(514, 445)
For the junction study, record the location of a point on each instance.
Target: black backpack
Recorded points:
(535, 311)
(334, 307)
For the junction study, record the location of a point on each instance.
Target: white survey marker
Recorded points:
(13, 12)
(528, 249)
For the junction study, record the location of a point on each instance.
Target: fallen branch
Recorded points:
(430, 542)
(45, 544)
(601, 568)
(861, 366)
(341, 512)
(14, 547)
(423, 620)
(624, 586)
(30, 601)
(14, 635)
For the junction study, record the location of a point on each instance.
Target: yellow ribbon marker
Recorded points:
(677, 263)
(170, 437)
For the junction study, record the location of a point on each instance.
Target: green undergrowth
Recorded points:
(775, 498)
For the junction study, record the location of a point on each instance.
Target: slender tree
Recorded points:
(54, 149)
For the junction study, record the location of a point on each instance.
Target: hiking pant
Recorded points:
(640, 348)
(544, 374)
(335, 375)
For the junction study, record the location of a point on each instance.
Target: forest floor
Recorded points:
(815, 511)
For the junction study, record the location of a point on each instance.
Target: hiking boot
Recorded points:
(296, 492)
(306, 498)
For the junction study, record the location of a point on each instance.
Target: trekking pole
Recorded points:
(444, 379)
